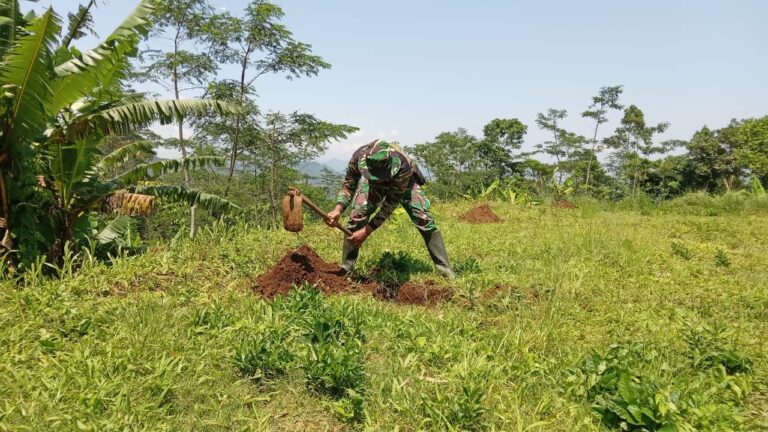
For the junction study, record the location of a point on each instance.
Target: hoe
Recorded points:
(293, 218)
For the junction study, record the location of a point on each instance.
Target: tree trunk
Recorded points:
(238, 122)
(5, 223)
(272, 186)
(182, 146)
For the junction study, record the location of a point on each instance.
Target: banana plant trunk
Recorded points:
(5, 220)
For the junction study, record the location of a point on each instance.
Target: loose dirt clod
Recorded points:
(479, 215)
(564, 204)
(305, 265)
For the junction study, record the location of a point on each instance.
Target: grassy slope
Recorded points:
(124, 349)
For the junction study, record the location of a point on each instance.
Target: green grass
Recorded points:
(563, 318)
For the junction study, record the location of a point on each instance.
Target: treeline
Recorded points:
(627, 162)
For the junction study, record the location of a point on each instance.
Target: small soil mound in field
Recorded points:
(299, 266)
(305, 265)
(479, 215)
(428, 293)
(564, 204)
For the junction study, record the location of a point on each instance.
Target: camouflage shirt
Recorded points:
(386, 168)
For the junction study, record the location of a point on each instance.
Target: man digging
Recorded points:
(380, 174)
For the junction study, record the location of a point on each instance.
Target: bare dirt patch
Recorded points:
(564, 204)
(304, 265)
(480, 215)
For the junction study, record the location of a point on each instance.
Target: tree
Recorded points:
(330, 181)
(283, 141)
(563, 144)
(607, 98)
(748, 140)
(58, 104)
(258, 44)
(634, 139)
(711, 165)
(187, 25)
(500, 138)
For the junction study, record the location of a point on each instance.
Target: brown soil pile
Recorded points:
(299, 266)
(480, 214)
(564, 204)
(422, 294)
(305, 265)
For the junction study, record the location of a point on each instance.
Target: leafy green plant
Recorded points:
(682, 251)
(622, 399)
(709, 347)
(350, 408)
(462, 409)
(331, 369)
(721, 258)
(264, 355)
(395, 268)
(60, 103)
(467, 266)
(211, 317)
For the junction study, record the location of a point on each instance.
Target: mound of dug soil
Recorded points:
(305, 265)
(479, 215)
(299, 266)
(422, 294)
(564, 204)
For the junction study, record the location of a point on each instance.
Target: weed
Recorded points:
(682, 251)
(396, 268)
(721, 258)
(211, 317)
(467, 266)
(460, 409)
(263, 356)
(332, 369)
(709, 347)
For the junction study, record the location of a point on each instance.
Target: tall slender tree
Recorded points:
(633, 139)
(563, 144)
(259, 44)
(196, 35)
(607, 99)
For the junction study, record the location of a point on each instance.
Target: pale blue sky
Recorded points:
(410, 69)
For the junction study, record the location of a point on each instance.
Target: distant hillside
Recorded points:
(315, 168)
(339, 165)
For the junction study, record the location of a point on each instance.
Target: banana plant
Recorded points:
(57, 104)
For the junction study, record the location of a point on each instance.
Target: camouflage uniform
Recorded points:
(380, 175)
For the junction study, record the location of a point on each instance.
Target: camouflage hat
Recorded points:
(381, 161)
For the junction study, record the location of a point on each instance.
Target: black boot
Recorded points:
(436, 248)
(348, 256)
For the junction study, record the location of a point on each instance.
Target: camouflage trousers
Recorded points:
(368, 198)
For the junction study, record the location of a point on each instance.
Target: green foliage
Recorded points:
(61, 104)
(264, 355)
(463, 409)
(721, 258)
(681, 250)
(332, 369)
(709, 347)
(149, 342)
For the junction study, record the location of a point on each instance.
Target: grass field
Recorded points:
(630, 316)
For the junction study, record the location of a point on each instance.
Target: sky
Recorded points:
(409, 70)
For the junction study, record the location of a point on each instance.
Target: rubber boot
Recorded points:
(348, 256)
(436, 248)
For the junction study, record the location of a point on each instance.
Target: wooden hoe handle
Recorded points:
(318, 210)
